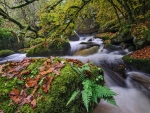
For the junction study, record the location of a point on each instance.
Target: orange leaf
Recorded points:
(33, 103)
(31, 83)
(50, 70)
(14, 92)
(43, 72)
(25, 72)
(46, 85)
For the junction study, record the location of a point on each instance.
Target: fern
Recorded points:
(82, 76)
(86, 98)
(75, 93)
(91, 92)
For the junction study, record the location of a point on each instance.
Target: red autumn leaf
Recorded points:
(33, 103)
(11, 70)
(26, 64)
(1, 68)
(38, 77)
(43, 72)
(16, 99)
(24, 72)
(27, 100)
(46, 85)
(50, 70)
(14, 92)
(35, 88)
(23, 93)
(31, 83)
(43, 68)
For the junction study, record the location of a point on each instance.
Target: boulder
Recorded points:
(140, 59)
(56, 47)
(43, 85)
(122, 36)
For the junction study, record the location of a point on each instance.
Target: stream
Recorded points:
(131, 85)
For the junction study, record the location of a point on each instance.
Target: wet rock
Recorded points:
(86, 52)
(141, 81)
(57, 47)
(122, 37)
(140, 59)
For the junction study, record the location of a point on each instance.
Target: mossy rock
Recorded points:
(56, 47)
(123, 36)
(4, 53)
(16, 83)
(140, 64)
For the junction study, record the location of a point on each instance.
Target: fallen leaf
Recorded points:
(35, 88)
(46, 85)
(16, 99)
(33, 103)
(31, 83)
(14, 92)
(25, 72)
(56, 71)
(1, 68)
(50, 70)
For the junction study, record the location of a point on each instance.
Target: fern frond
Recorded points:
(111, 100)
(86, 98)
(105, 92)
(82, 76)
(75, 93)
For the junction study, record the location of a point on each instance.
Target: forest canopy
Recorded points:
(57, 18)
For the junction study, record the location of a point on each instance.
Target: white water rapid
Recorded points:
(132, 86)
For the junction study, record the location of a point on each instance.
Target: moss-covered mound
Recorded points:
(43, 85)
(140, 59)
(4, 53)
(57, 47)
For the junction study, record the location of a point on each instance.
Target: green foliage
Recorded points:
(75, 93)
(90, 90)
(4, 53)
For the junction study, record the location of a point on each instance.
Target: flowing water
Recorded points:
(132, 86)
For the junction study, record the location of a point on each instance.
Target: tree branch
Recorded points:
(27, 2)
(6, 16)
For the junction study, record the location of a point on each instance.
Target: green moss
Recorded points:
(140, 64)
(6, 86)
(61, 89)
(57, 47)
(4, 53)
(36, 41)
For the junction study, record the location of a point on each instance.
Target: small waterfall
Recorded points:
(76, 34)
(85, 43)
(132, 87)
